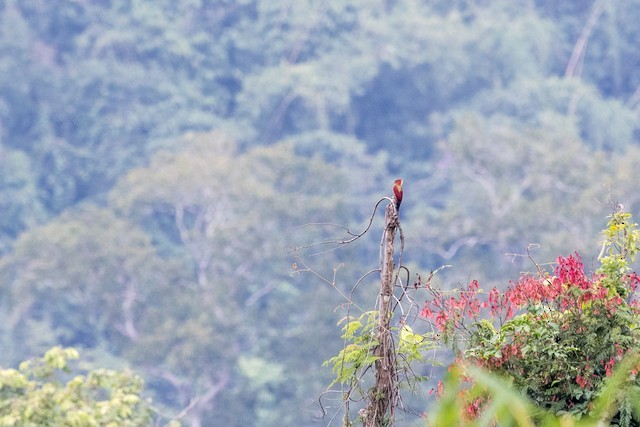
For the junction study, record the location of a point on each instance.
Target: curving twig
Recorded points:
(355, 236)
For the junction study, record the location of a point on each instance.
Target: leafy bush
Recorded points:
(504, 405)
(34, 395)
(557, 336)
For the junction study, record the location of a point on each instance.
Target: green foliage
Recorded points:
(508, 407)
(485, 216)
(19, 205)
(358, 352)
(126, 231)
(559, 336)
(504, 404)
(563, 357)
(86, 272)
(411, 346)
(42, 392)
(205, 211)
(358, 355)
(619, 248)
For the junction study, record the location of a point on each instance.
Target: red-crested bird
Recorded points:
(397, 193)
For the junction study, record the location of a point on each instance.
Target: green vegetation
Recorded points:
(555, 348)
(36, 395)
(508, 407)
(159, 161)
(554, 338)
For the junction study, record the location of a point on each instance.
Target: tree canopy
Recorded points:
(159, 161)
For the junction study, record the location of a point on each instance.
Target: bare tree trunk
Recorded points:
(574, 66)
(205, 400)
(384, 394)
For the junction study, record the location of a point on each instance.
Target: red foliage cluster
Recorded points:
(474, 408)
(562, 298)
(443, 310)
(556, 291)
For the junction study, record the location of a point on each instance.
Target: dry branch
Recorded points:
(383, 396)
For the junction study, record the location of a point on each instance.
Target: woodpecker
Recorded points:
(397, 193)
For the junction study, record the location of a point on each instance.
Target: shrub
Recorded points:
(556, 336)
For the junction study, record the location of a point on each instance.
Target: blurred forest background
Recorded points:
(157, 160)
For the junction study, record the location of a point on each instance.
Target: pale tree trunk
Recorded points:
(574, 66)
(383, 396)
(205, 400)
